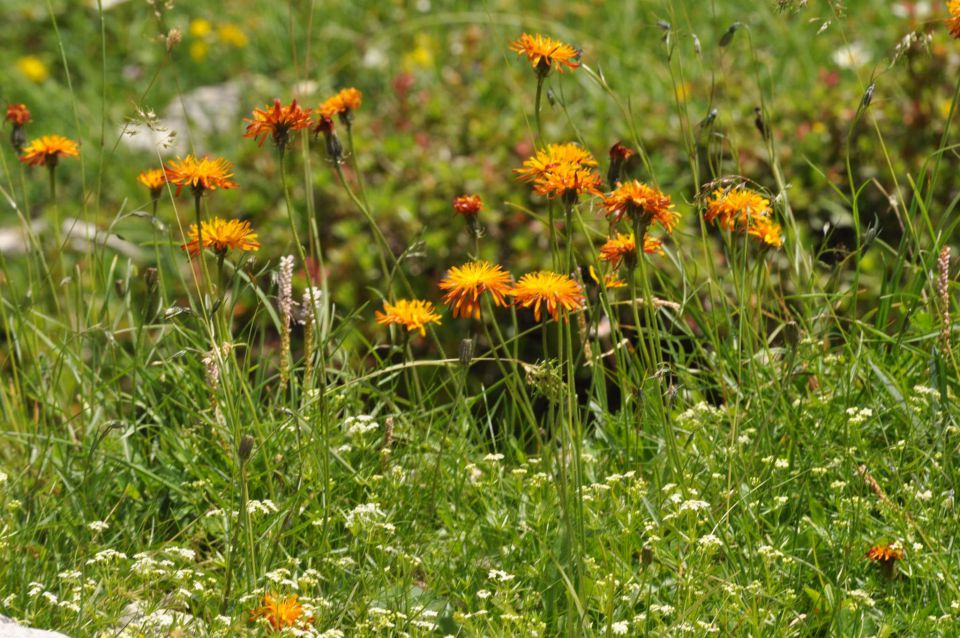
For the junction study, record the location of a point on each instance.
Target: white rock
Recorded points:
(10, 629)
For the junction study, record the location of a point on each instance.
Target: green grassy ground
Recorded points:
(711, 450)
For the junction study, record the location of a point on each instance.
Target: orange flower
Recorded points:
(343, 104)
(468, 205)
(953, 22)
(610, 280)
(464, 285)
(200, 174)
(279, 612)
(19, 114)
(557, 292)
(411, 314)
(641, 203)
(545, 53)
(620, 246)
(546, 160)
(733, 208)
(222, 235)
(767, 231)
(561, 170)
(47, 150)
(620, 152)
(278, 121)
(154, 179)
(886, 554)
(741, 209)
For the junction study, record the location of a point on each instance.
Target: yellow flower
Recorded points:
(561, 170)
(200, 174)
(154, 179)
(278, 121)
(344, 103)
(222, 235)
(279, 612)
(546, 53)
(422, 55)
(233, 35)
(47, 150)
(953, 21)
(411, 314)
(200, 28)
(33, 68)
(464, 285)
(199, 50)
(610, 280)
(641, 203)
(555, 291)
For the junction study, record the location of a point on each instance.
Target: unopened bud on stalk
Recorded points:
(150, 278)
(245, 448)
(466, 352)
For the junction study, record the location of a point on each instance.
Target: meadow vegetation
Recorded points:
(480, 319)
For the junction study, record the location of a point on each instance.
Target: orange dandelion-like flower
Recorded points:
(222, 235)
(734, 208)
(47, 150)
(154, 179)
(546, 53)
(555, 291)
(19, 114)
(200, 174)
(546, 160)
(464, 285)
(279, 612)
(886, 553)
(561, 170)
(621, 246)
(741, 209)
(610, 280)
(413, 314)
(277, 121)
(343, 104)
(641, 203)
(468, 205)
(953, 21)
(767, 231)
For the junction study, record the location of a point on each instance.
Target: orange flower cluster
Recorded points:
(621, 246)
(741, 209)
(546, 53)
(561, 170)
(278, 121)
(953, 20)
(222, 235)
(344, 103)
(19, 114)
(47, 150)
(412, 314)
(200, 174)
(280, 613)
(642, 204)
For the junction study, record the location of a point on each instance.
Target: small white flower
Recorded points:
(620, 628)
